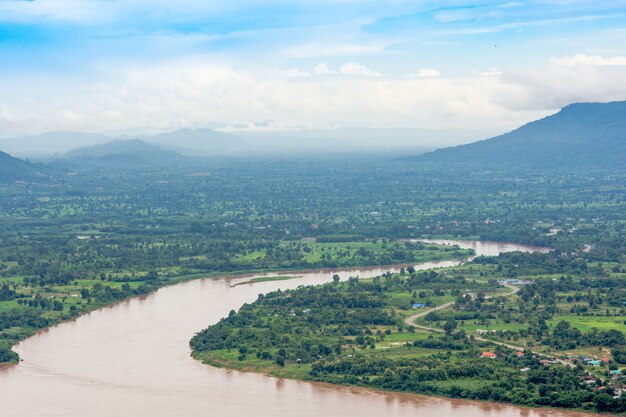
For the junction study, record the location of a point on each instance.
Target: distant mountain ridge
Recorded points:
(13, 169)
(189, 141)
(51, 143)
(589, 135)
(124, 154)
(206, 141)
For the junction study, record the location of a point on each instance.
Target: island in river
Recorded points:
(500, 329)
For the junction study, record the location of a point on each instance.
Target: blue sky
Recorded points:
(156, 65)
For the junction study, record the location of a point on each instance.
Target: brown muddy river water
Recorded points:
(132, 359)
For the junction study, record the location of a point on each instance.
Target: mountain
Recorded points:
(358, 139)
(50, 143)
(190, 141)
(582, 135)
(126, 155)
(12, 169)
(186, 141)
(207, 142)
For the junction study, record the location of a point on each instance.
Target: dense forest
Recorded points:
(532, 348)
(75, 241)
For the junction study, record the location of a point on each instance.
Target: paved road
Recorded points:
(411, 322)
(411, 319)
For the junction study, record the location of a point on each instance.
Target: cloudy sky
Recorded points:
(112, 65)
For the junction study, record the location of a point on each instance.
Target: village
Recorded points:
(600, 374)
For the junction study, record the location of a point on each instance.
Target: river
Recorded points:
(132, 359)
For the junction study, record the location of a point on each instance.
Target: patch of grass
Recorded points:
(265, 279)
(470, 384)
(406, 337)
(586, 323)
(225, 359)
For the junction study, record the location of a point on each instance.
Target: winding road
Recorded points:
(411, 319)
(132, 359)
(411, 322)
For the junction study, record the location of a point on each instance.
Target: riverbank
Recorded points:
(300, 374)
(106, 360)
(350, 334)
(116, 292)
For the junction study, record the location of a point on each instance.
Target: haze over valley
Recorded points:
(333, 209)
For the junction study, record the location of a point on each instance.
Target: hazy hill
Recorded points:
(187, 141)
(589, 135)
(12, 169)
(206, 141)
(125, 154)
(50, 143)
(359, 139)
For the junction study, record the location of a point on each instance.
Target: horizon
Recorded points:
(253, 67)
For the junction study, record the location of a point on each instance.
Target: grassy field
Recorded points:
(586, 323)
(356, 252)
(265, 279)
(226, 359)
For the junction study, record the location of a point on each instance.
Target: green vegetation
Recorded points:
(48, 290)
(79, 240)
(355, 333)
(264, 279)
(75, 243)
(579, 137)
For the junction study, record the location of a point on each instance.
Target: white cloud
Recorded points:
(322, 69)
(510, 5)
(352, 68)
(593, 60)
(524, 24)
(560, 82)
(76, 11)
(491, 72)
(296, 73)
(313, 50)
(460, 15)
(425, 73)
(199, 93)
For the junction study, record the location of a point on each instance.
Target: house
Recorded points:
(519, 354)
(514, 281)
(524, 369)
(489, 355)
(545, 362)
(615, 372)
(418, 305)
(605, 360)
(594, 362)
